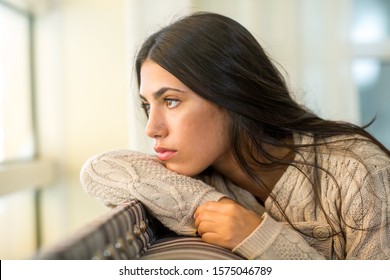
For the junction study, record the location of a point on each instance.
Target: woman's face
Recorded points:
(190, 132)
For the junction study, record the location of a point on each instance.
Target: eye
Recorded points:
(146, 107)
(171, 103)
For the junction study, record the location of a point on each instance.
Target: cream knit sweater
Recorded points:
(357, 201)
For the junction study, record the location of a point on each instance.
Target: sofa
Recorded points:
(128, 231)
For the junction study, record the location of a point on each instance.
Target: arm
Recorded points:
(172, 198)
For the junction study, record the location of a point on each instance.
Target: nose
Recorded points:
(155, 127)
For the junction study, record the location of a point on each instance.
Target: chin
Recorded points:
(182, 170)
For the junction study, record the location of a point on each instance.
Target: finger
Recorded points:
(207, 227)
(204, 216)
(207, 206)
(213, 238)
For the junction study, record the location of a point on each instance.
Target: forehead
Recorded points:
(153, 77)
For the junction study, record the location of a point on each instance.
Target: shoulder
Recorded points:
(355, 150)
(343, 151)
(361, 168)
(350, 162)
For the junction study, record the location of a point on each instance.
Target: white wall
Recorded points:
(326, 59)
(82, 92)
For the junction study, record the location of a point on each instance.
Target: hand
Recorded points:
(225, 223)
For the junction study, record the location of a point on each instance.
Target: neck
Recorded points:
(232, 170)
(235, 174)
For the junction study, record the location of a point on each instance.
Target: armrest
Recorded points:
(123, 233)
(127, 232)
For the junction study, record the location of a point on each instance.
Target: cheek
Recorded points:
(200, 136)
(204, 145)
(203, 133)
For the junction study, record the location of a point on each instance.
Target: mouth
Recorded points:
(164, 154)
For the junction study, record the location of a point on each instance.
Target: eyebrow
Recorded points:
(161, 91)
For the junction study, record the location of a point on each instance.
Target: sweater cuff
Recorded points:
(260, 239)
(210, 196)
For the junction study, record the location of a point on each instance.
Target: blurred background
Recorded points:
(67, 90)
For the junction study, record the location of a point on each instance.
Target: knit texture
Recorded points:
(356, 200)
(275, 241)
(119, 175)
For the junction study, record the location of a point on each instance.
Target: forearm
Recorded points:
(115, 176)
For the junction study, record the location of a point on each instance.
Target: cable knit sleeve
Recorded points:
(172, 198)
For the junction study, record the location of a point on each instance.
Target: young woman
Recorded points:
(240, 163)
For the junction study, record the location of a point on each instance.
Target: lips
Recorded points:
(164, 154)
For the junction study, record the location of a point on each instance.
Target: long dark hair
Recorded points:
(220, 60)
